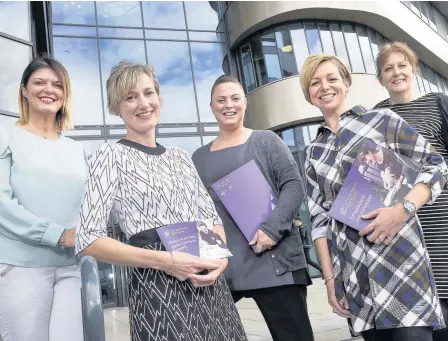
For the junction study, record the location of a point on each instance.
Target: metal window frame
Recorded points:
(276, 44)
(276, 52)
(319, 22)
(346, 45)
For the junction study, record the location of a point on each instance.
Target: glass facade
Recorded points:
(179, 39)
(16, 51)
(426, 11)
(280, 52)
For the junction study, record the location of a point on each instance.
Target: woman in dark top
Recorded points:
(397, 67)
(274, 273)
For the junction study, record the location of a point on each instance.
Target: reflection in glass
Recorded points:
(119, 13)
(163, 14)
(431, 17)
(424, 75)
(374, 43)
(120, 32)
(207, 36)
(285, 52)
(112, 52)
(248, 72)
(80, 58)
(190, 143)
(423, 11)
(207, 59)
(339, 43)
(312, 35)
(81, 31)
(14, 58)
(365, 49)
(168, 130)
(258, 60)
(327, 40)
(171, 61)
(440, 22)
(419, 79)
(8, 120)
(353, 48)
(431, 79)
(201, 16)
(15, 19)
(440, 83)
(71, 12)
(415, 7)
(169, 35)
(271, 56)
(288, 137)
(299, 43)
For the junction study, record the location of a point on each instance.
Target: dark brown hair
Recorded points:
(224, 79)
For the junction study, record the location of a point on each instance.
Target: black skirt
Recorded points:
(162, 308)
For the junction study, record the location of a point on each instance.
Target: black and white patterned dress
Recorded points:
(148, 188)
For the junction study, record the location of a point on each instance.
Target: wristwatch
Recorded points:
(409, 207)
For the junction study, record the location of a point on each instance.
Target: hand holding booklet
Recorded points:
(196, 238)
(378, 178)
(247, 196)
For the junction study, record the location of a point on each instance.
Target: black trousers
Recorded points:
(442, 334)
(284, 309)
(399, 334)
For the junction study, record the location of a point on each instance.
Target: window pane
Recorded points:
(169, 35)
(190, 143)
(258, 61)
(374, 43)
(13, 12)
(339, 42)
(425, 78)
(440, 83)
(112, 52)
(432, 80)
(80, 57)
(423, 11)
(62, 30)
(163, 14)
(421, 87)
(73, 12)
(120, 32)
(248, 71)
(173, 70)
(299, 43)
(415, 7)
(169, 130)
(271, 57)
(312, 35)
(327, 40)
(365, 49)
(207, 63)
(119, 13)
(8, 120)
(13, 61)
(440, 20)
(201, 16)
(431, 17)
(285, 52)
(353, 48)
(207, 36)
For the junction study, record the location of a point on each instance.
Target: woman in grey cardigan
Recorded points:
(274, 272)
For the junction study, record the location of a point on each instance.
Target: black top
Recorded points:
(159, 150)
(426, 115)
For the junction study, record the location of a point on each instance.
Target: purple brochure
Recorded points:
(180, 237)
(247, 196)
(365, 189)
(196, 238)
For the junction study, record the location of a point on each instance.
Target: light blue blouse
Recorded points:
(41, 187)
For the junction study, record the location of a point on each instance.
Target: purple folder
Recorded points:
(247, 196)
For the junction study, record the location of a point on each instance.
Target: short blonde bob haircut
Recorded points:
(123, 78)
(313, 62)
(395, 47)
(64, 115)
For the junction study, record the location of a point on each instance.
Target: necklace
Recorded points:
(46, 138)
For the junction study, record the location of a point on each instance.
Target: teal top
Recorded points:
(41, 187)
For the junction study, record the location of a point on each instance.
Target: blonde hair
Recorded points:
(64, 115)
(313, 62)
(395, 47)
(123, 78)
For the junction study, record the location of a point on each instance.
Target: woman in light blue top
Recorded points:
(42, 175)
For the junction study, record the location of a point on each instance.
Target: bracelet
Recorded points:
(328, 280)
(172, 266)
(62, 240)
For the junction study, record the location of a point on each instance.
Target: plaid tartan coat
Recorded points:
(386, 286)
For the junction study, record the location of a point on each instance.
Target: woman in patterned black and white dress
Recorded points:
(148, 186)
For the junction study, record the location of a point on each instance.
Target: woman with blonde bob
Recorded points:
(42, 175)
(173, 295)
(380, 277)
(428, 114)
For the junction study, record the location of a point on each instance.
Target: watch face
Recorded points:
(409, 206)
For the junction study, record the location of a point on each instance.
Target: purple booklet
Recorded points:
(196, 238)
(247, 196)
(378, 178)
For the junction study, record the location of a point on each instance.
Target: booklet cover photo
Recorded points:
(379, 177)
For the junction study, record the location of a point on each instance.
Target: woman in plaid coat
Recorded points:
(379, 278)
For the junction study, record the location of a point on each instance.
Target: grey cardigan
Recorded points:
(282, 173)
